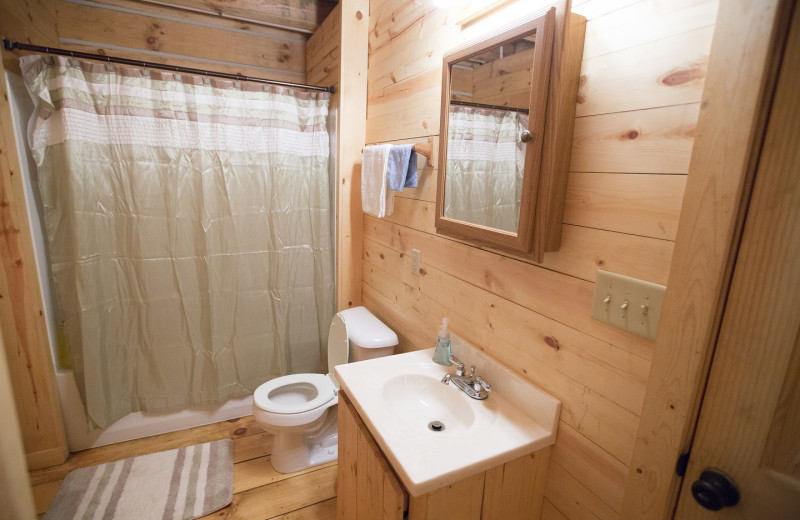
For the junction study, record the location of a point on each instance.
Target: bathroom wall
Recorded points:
(132, 29)
(641, 81)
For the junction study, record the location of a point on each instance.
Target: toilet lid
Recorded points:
(322, 394)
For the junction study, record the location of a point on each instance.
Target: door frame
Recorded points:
(742, 72)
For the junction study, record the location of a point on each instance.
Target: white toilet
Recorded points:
(300, 409)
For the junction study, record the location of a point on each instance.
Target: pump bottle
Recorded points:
(442, 353)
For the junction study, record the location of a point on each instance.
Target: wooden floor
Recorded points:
(260, 493)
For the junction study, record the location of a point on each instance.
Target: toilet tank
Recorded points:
(368, 336)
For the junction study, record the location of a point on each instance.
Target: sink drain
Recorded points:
(436, 426)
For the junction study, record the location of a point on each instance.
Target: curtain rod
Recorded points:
(493, 107)
(11, 46)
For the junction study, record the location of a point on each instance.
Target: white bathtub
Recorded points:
(138, 424)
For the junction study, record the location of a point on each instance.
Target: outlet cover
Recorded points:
(630, 304)
(415, 261)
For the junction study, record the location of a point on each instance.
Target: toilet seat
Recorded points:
(321, 384)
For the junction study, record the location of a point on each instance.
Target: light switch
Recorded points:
(630, 304)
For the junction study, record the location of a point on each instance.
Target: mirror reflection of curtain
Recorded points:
(485, 164)
(188, 228)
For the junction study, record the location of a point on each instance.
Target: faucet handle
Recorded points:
(459, 365)
(483, 383)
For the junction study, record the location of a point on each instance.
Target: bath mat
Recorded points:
(177, 484)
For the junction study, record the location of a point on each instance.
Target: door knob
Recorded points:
(715, 490)
(526, 137)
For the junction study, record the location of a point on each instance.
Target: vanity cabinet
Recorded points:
(369, 489)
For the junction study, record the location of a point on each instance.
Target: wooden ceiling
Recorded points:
(298, 15)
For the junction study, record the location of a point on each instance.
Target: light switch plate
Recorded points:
(630, 304)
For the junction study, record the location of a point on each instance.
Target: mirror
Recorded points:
(494, 97)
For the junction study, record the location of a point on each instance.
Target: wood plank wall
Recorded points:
(131, 29)
(344, 33)
(641, 82)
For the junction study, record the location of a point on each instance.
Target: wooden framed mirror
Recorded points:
(502, 140)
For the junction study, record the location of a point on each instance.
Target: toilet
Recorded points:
(300, 409)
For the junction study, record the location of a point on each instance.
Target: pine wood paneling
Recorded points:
(643, 72)
(621, 24)
(585, 250)
(351, 130)
(16, 499)
(570, 498)
(21, 316)
(730, 129)
(657, 140)
(655, 74)
(412, 45)
(645, 205)
(196, 16)
(549, 512)
(300, 14)
(344, 34)
(136, 30)
(17, 21)
(502, 276)
(405, 110)
(590, 465)
(324, 52)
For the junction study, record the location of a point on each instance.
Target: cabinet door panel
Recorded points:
(367, 487)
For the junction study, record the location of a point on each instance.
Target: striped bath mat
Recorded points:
(177, 484)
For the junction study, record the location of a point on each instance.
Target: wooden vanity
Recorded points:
(368, 487)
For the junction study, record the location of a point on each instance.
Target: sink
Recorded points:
(417, 401)
(434, 434)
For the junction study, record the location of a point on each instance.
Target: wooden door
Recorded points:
(749, 425)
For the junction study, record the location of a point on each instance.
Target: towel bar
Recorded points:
(425, 149)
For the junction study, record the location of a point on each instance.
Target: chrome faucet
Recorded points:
(472, 385)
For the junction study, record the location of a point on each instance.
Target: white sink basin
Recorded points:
(415, 401)
(398, 397)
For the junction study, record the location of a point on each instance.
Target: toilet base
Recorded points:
(294, 452)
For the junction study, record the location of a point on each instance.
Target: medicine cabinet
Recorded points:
(508, 108)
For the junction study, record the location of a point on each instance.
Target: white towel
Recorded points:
(376, 197)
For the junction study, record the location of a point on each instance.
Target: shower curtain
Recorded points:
(188, 231)
(485, 163)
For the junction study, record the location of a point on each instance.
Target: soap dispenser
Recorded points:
(442, 353)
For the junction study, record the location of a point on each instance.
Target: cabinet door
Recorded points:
(367, 488)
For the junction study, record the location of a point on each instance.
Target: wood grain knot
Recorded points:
(240, 431)
(683, 75)
(552, 342)
(359, 16)
(633, 134)
(581, 89)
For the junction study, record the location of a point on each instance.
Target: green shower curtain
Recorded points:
(188, 231)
